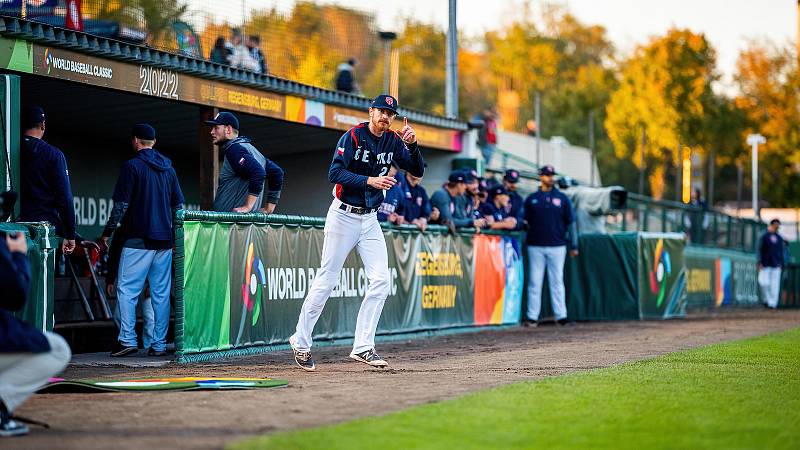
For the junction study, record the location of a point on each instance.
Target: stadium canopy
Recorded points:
(94, 89)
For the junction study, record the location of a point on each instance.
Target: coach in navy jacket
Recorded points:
(28, 357)
(45, 192)
(146, 197)
(550, 219)
(770, 252)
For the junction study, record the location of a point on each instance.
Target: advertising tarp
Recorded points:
(662, 276)
(719, 277)
(244, 284)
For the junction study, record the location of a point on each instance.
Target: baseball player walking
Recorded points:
(359, 171)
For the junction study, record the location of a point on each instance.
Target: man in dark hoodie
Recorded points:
(146, 197)
(45, 192)
(241, 179)
(28, 357)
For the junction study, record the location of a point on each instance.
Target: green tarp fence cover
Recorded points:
(625, 276)
(240, 282)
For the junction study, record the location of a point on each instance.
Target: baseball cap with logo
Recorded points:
(497, 190)
(224, 118)
(32, 116)
(457, 177)
(547, 170)
(511, 175)
(384, 101)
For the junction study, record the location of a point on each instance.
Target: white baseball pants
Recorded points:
(343, 231)
(769, 279)
(551, 258)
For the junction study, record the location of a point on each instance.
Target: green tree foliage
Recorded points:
(422, 70)
(155, 16)
(665, 91)
(769, 96)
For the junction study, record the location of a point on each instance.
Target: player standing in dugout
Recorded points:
(359, 171)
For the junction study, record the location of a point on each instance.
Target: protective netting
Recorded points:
(299, 40)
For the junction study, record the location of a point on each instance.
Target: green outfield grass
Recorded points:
(743, 394)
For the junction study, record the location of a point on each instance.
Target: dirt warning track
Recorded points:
(421, 371)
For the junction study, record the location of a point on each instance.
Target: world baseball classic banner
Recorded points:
(718, 278)
(662, 276)
(243, 284)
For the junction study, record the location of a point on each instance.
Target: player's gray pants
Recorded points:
(769, 279)
(21, 374)
(551, 258)
(343, 231)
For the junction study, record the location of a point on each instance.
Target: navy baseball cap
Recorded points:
(144, 131)
(497, 190)
(32, 116)
(547, 170)
(457, 177)
(384, 101)
(511, 175)
(225, 118)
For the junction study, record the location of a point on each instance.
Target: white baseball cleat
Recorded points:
(369, 357)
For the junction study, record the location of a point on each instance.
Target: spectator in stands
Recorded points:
(241, 179)
(516, 203)
(487, 136)
(416, 205)
(496, 210)
(45, 192)
(254, 46)
(221, 53)
(346, 78)
(28, 357)
(391, 210)
(451, 203)
(240, 57)
(146, 197)
(770, 253)
(551, 220)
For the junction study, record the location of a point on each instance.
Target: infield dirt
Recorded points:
(421, 371)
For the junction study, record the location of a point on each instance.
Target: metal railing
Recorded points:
(702, 226)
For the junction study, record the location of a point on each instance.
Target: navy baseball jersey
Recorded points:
(360, 155)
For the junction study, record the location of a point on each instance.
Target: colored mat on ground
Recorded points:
(60, 385)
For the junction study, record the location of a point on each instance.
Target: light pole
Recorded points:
(451, 60)
(754, 140)
(387, 37)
